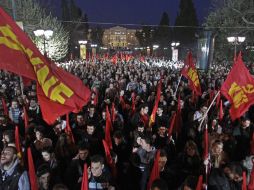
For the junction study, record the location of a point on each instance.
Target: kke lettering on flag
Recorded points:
(190, 72)
(58, 91)
(239, 89)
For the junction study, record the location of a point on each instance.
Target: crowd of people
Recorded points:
(128, 90)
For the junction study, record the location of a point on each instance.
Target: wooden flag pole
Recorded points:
(205, 115)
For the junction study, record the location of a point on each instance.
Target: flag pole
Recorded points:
(205, 115)
(178, 85)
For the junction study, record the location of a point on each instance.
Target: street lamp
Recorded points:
(46, 34)
(236, 40)
(174, 46)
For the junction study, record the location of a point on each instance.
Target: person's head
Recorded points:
(245, 122)
(146, 143)
(47, 154)
(83, 151)
(91, 110)
(43, 176)
(191, 148)
(33, 103)
(80, 118)
(39, 132)
(141, 127)
(97, 165)
(60, 186)
(203, 109)
(162, 131)
(118, 137)
(3, 120)
(144, 109)
(90, 128)
(103, 114)
(159, 184)
(8, 156)
(159, 111)
(8, 137)
(217, 147)
(162, 159)
(14, 104)
(190, 183)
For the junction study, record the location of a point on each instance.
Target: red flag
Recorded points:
(108, 129)
(172, 124)
(244, 184)
(221, 114)
(109, 159)
(5, 107)
(190, 72)
(155, 173)
(157, 100)
(113, 112)
(211, 96)
(238, 88)
(17, 142)
(200, 183)
(31, 170)
(251, 183)
(26, 119)
(114, 59)
(122, 102)
(84, 185)
(58, 91)
(67, 129)
(218, 100)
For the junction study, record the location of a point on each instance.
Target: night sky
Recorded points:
(137, 11)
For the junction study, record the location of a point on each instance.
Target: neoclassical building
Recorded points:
(119, 37)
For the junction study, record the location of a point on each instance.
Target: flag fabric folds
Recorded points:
(84, 185)
(5, 108)
(238, 89)
(200, 183)
(244, 183)
(17, 142)
(108, 129)
(251, 181)
(67, 129)
(31, 170)
(171, 126)
(58, 91)
(155, 173)
(156, 104)
(190, 72)
(109, 158)
(26, 119)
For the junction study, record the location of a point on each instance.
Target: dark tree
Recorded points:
(145, 36)
(186, 17)
(65, 10)
(163, 32)
(97, 34)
